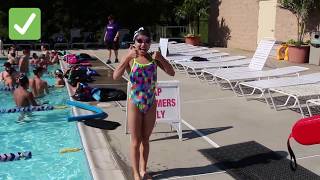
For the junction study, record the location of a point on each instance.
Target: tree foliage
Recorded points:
(192, 10)
(301, 9)
(91, 16)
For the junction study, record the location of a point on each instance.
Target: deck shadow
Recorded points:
(102, 124)
(181, 172)
(253, 161)
(190, 134)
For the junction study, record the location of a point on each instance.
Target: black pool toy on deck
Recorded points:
(15, 156)
(99, 113)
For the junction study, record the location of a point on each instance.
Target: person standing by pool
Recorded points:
(38, 86)
(22, 96)
(46, 52)
(142, 69)
(111, 38)
(24, 61)
(12, 55)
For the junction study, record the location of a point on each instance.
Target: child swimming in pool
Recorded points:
(142, 69)
(58, 74)
(39, 87)
(21, 95)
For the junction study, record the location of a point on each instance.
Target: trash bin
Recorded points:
(314, 57)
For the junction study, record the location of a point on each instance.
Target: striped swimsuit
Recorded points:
(143, 78)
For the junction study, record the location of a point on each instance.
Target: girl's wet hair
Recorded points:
(38, 70)
(141, 31)
(58, 73)
(7, 65)
(34, 55)
(23, 79)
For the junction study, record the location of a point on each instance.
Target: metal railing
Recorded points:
(171, 32)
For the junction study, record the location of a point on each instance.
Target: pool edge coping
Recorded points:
(99, 172)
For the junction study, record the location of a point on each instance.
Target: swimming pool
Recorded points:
(44, 134)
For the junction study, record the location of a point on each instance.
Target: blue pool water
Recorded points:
(44, 134)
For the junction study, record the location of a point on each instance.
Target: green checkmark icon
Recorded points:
(24, 23)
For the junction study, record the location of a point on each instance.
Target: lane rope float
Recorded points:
(32, 108)
(15, 156)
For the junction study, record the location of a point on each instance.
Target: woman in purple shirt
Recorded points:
(111, 38)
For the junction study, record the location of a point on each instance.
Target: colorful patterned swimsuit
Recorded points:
(143, 78)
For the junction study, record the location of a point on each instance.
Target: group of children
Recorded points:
(18, 79)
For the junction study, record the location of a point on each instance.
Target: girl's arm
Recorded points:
(163, 63)
(124, 64)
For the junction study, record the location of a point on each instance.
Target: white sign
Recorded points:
(167, 99)
(163, 43)
(168, 104)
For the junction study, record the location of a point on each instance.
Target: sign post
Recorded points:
(168, 105)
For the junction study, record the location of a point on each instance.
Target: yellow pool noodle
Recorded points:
(67, 150)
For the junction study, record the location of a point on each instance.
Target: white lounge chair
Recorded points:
(314, 102)
(201, 52)
(258, 60)
(264, 85)
(193, 69)
(297, 93)
(256, 64)
(233, 79)
(177, 61)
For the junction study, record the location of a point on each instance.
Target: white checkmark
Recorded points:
(26, 26)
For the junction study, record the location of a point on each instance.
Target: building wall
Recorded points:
(236, 18)
(234, 23)
(287, 28)
(286, 25)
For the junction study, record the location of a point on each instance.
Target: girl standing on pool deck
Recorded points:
(142, 69)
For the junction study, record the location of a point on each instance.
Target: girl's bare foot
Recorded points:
(145, 176)
(136, 176)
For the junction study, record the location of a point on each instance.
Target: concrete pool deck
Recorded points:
(211, 118)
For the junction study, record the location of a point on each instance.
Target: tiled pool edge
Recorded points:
(100, 157)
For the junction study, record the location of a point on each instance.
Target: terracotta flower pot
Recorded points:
(299, 54)
(193, 40)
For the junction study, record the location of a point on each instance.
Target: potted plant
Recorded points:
(192, 10)
(298, 49)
